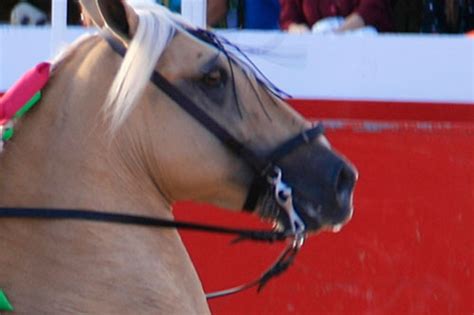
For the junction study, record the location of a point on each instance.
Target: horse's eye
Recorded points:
(214, 79)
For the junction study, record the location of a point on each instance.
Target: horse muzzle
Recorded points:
(321, 185)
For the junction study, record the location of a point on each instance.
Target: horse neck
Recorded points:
(62, 156)
(63, 153)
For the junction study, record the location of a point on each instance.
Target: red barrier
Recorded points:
(384, 110)
(408, 249)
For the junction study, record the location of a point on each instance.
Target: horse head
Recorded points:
(187, 159)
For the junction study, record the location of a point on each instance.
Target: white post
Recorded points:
(195, 11)
(58, 25)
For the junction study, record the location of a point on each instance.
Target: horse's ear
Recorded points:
(90, 9)
(119, 17)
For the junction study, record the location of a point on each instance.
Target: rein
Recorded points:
(280, 265)
(128, 219)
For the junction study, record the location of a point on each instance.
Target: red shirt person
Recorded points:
(300, 15)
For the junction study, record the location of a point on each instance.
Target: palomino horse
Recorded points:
(141, 152)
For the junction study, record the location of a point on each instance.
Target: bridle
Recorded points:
(268, 180)
(267, 174)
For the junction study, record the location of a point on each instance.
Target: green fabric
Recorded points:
(8, 133)
(4, 303)
(28, 104)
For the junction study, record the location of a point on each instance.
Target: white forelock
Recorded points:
(155, 29)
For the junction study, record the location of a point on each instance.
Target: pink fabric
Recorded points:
(23, 90)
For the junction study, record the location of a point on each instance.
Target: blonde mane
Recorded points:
(155, 29)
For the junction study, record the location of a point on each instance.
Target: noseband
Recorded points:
(268, 178)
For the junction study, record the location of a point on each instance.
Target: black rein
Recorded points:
(128, 219)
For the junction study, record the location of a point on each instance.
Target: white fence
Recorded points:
(384, 67)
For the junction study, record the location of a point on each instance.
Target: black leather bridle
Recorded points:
(267, 179)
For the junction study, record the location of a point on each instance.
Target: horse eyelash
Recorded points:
(220, 43)
(210, 65)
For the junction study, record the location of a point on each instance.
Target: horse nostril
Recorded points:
(345, 182)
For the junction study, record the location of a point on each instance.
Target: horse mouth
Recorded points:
(315, 216)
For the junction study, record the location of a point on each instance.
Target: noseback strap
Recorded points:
(288, 146)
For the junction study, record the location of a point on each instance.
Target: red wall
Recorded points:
(408, 249)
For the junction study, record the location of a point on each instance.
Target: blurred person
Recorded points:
(262, 14)
(447, 16)
(252, 14)
(299, 16)
(36, 12)
(407, 15)
(433, 16)
(216, 9)
(26, 14)
(249, 14)
(465, 18)
(6, 9)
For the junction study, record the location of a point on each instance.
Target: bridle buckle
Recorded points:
(284, 197)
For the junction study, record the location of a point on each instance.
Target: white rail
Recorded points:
(195, 11)
(58, 25)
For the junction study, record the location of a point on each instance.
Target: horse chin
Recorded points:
(323, 217)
